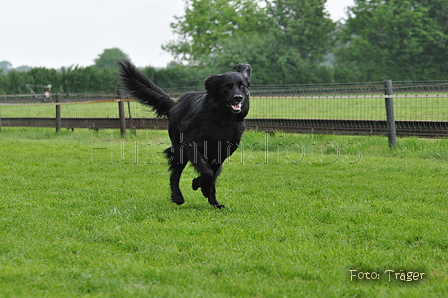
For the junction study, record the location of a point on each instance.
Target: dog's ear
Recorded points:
(243, 68)
(211, 84)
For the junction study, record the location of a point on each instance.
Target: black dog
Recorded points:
(204, 127)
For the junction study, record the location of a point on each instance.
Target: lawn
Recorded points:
(87, 214)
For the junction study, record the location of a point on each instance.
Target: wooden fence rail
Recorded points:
(389, 126)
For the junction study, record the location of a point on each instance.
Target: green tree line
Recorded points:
(92, 79)
(67, 80)
(285, 41)
(290, 41)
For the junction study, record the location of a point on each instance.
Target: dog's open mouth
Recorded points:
(236, 107)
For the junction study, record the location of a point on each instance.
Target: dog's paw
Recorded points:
(196, 183)
(178, 199)
(219, 206)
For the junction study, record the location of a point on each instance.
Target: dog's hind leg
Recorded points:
(177, 165)
(176, 194)
(212, 194)
(196, 183)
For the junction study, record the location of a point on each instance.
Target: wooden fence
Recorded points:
(366, 109)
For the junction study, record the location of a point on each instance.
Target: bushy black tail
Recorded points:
(143, 89)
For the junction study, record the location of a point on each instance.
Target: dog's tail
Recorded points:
(142, 88)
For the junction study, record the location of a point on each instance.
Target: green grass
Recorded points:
(361, 107)
(83, 110)
(356, 108)
(87, 214)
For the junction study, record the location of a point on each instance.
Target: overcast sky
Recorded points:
(57, 33)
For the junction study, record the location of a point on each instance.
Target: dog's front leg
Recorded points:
(207, 179)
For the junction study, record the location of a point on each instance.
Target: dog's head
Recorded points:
(231, 89)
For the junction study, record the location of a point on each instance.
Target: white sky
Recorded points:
(57, 33)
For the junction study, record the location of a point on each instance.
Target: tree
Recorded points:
(207, 23)
(272, 62)
(5, 66)
(22, 68)
(16, 83)
(399, 39)
(108, 58)
(45, 76)
(303, 26)
(285, 40)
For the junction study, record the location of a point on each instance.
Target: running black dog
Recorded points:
(205, 128)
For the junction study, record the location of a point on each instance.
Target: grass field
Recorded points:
(87, 214)
(354, 108)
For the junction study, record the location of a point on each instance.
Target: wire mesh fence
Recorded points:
(422, 101)
(81, 105)
(413, 101)
(416, 101)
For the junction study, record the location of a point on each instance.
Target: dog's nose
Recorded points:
(238, 97)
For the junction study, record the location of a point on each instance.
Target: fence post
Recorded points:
(392, 133)
(121, 95)
(58, 113)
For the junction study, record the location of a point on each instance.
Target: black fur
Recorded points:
(205, 128)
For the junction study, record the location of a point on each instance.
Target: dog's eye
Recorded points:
(228, 87)
(242, 87)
